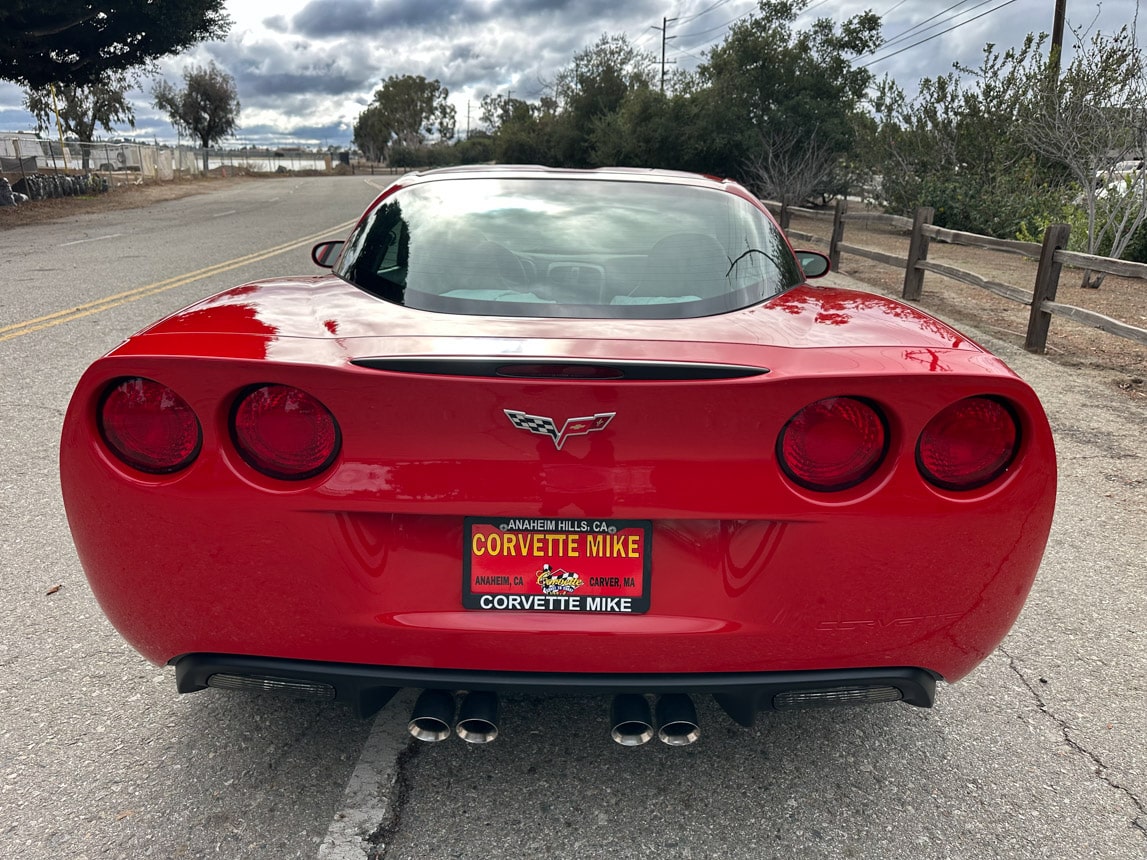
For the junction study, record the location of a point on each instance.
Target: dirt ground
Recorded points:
(123, 195)
(1069, 343)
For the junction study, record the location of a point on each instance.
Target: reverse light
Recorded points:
(833, 444)
(969, 444)
(272, 684)
(149, 426)
(834, 697)
(284, 432)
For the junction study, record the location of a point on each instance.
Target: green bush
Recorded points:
(441, 155)
(1136, 250)
(474, 150)
(1075, 216)
(1000, 211)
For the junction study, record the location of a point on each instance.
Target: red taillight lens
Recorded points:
(284, 432)
(969, 444)
(149, 426)
(833, 444)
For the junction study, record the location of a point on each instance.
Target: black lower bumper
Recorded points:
(368, 688)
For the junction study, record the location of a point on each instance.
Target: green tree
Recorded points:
(589, 90)
(521, 132)
(372, 133)
(83, 107)
(770, 93)
(649, 129)
(206, 109)
(77, 42)
(959, 148)
(405, 110)
(497, 110)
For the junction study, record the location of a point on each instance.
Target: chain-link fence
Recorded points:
(40, 168)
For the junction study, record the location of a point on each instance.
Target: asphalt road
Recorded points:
(1041, 752)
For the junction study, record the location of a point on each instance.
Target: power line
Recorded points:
(716, 5)
(920, 27)
(936, 35)
(900, 37)
(720, 27)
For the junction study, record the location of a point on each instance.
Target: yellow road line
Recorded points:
(108, 302)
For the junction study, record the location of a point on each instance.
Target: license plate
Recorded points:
(556, 565)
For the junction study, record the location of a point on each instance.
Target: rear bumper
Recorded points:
(366, 689)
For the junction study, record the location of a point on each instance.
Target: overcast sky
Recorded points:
(305, 69)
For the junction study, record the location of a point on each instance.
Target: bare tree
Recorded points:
(1089, 120)
(790, 166)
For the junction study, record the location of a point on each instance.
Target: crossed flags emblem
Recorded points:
(545, 426)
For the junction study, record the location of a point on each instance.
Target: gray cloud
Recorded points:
(277, 24)
(321, 18)
(310, 72)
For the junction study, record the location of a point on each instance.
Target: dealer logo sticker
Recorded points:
(545, 426)
(558, 581)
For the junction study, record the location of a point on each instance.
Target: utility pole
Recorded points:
(665, 22)
(1057, 35)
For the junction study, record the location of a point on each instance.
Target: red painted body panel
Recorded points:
(750, 573)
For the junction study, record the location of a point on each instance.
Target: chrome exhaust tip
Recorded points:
(478, 717)
(432, 716)
(677, 720)
(632, 724)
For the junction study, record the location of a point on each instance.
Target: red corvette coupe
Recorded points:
(559, 431)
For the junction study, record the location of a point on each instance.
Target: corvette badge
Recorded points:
(544, 426)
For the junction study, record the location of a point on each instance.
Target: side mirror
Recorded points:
(325, 253)
(813, 263)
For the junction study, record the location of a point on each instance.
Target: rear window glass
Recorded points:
(585, 248)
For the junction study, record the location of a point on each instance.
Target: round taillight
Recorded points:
(833, 444)
(969, 444)
(284, 432)
(149, 426)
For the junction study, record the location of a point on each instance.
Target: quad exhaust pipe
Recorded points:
(632, 722)
(432, 719)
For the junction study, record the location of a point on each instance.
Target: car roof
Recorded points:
(642, 174)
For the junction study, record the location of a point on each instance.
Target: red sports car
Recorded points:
(559, 431)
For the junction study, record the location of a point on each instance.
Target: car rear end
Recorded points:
(559, 431)
(761, 528)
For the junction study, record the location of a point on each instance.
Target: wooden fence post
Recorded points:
(837, 234)
(917, 252)
(1046, 284)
